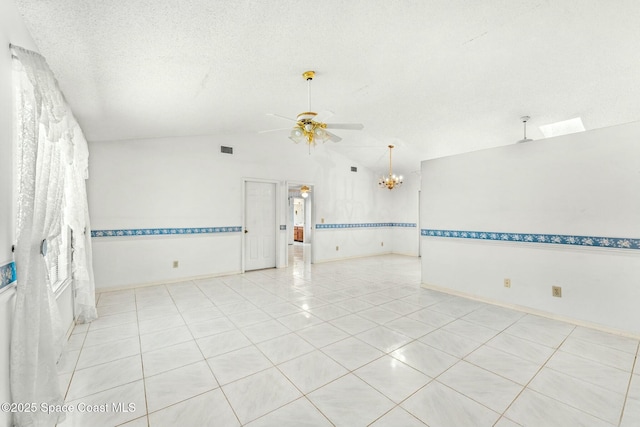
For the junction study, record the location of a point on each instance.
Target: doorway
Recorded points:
(259, 239)
(300, 218)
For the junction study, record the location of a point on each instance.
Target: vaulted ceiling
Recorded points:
(433, 77)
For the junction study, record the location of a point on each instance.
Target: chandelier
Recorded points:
(304, 191)
(391, 181)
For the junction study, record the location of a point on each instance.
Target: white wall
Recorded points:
(12, 30)
(187, 182)
(583, 184)
(405, 240)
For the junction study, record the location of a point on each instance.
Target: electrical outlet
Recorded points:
(507, 283)
(175, 264)
(556, 291)
(337, 248)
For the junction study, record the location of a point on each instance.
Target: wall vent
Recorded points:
(226, 150)
(354, 169)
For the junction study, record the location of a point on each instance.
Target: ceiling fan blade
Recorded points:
(349, 126)
(274, 130)
(322, 116)
(282, 117)
(333, 137)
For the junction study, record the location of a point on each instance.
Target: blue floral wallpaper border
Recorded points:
(556, 239)
(367, 225)
(7, 274)
(164, 231)
(232, 229)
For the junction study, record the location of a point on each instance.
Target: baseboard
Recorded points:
(165, 282)
(534, 311)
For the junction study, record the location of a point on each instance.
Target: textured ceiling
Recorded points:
(433, 77)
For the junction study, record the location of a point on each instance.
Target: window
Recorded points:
(58, 258)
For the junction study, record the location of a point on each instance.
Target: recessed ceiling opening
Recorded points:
(563, 128)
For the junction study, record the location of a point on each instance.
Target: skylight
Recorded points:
(563, 128)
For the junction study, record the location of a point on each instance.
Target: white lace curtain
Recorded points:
(52, 167)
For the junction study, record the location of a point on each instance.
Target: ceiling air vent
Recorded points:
(226, 150)
(354, 169)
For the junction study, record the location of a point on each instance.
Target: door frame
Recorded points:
(312, 200)
(277, 217)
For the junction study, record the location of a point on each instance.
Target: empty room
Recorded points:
(284, 213)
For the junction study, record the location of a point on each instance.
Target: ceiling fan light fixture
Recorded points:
(310, 126)
(297, 135)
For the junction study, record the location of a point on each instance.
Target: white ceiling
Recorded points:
(433, 77)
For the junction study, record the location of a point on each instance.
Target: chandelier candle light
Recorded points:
(392, 180)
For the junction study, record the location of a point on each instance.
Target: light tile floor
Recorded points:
(349, 343)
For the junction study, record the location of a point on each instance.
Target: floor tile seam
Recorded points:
(533, 341)
(251, 343)
(144, 382)
(128, 310)
(500, 414)
(82, 344)
(316, 388)
(397, 406)
(100, 304)
(99, 328)
(109, 361)
(104, 363)
(600, 344)
(598, 386)
(580, 356)
(499, 330)
(582, 411)
(155, 374)
(626, 396)
(129, 381)
(480, 344)
(598, 360)
(489, 371)
(192, 397)
(352, 371)
(526, 387)
(302, 393)
(403, 363)
(220, 384)
(135, 419)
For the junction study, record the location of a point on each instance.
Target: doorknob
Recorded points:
(246, 231)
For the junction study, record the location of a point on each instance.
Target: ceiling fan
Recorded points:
(310, 127)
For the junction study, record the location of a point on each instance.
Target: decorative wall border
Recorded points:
(554, 239)
(164, 231)
(366, 225)
(232, 229)
(7, 274)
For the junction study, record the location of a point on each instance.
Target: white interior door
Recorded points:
(260, 225)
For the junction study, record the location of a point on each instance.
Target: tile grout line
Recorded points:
(626, 395)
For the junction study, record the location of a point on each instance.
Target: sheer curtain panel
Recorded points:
(49, 144)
